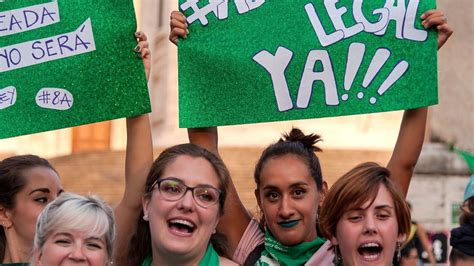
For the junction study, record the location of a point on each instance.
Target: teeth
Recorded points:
(370, 257)
(183, 222)
(368, 245)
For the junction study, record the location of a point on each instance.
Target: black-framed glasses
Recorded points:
(173, 189)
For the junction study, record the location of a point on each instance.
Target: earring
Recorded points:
(5, 225)
(399, 255)
(145, 217)
(337, 260)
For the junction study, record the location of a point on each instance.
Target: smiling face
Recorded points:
(368, 235)
(73, 248)
(42, 187)
(182, 227)
(289, 199)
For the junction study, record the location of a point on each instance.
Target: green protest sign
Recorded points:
(65, 63)
(248, 61)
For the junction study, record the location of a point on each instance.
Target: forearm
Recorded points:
(206, 137)
(425, 243)
(431, 258)
(408, 147)
(235, 220)
(138, 160)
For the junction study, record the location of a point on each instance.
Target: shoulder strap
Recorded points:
(254, 255)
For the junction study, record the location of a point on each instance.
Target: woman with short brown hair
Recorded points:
(365, 216)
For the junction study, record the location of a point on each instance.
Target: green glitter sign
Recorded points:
(65, 63)
(249, 61)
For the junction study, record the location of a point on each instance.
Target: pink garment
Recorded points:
(324, 256)
(254, 236)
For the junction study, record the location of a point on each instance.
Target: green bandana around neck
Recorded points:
(210, 258)
(276, 253)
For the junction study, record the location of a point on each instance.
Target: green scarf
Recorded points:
(210, 258)
(276, 253)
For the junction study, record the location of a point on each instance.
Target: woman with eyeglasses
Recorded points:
(183, 201)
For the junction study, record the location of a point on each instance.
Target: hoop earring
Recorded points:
(399, 255)
(337, 260)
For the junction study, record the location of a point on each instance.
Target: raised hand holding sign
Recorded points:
(67, 63)
(260, 61)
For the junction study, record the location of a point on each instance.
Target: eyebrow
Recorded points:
(383, 207)
(44, 190)
(182, 182)
(62, 234)
(299, 184)
(95, 238)
(70, 235)
(376, 207)
(291, 186)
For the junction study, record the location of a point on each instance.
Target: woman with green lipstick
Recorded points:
(289, 190)
(290, 186)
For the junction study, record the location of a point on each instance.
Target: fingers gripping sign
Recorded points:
(218, 7)
(142, 49)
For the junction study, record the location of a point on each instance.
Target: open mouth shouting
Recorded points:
(370, 251)
(181, 227)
